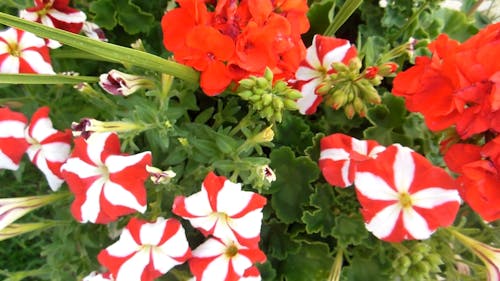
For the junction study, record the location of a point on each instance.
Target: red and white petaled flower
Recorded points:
(317, 64)
(341, 153)
(223, 210)
(48, 148)
(403, 196)
(145, 250)
(93, 31)
(219, 260)
(94, 276)
(13, 145)
(23, 52)
(57, 14)
(106, 183)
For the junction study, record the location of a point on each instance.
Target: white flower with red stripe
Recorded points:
(223, 210)
(57, 14)
(13, 145)
(225, 260)
(403, 196)
(94, 276)
(145, 250)
(317, 65)
(340, 154)
(48, 148)
(23, 52)
(106, 183)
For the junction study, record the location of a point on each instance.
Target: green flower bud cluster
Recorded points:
(348, 89)
(420, 263)
(267, 99)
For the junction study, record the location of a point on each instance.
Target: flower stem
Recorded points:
(337, 266)
(410, 21)
(343, 14)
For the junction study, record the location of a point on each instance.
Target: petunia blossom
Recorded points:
(106, 183)
(403, 196)
(57, 14)
(23, 52)
(225, 260)
(340, 154)
(48, 148)
(13, 145)
(94, 276)
(145, 250)
(223, 210)
(318, 63)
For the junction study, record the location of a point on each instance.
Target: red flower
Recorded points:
(13, 145)
(458, 85)
(479, 170)
(145, 250)
(340, 155)
(403, 196)
(106, 183)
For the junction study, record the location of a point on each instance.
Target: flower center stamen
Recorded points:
(14, 49)
(231, 251)
(405, 200)
(104, 172)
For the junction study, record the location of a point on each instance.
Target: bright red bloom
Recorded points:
(458, 86)
(340, 155)
(13, 145)
(479, 170)
(403, 196)
(145, 251)
(107, 184)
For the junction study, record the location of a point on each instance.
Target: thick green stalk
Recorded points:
(343, 14)
(109, 51)
(45, 79)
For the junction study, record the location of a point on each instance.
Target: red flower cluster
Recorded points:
(479, 169)
(459, 85)
(236, 39)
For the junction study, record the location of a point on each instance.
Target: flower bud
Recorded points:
(158, 176)
(87, 126)
(93, 31)
(121, 84)
(268, 174)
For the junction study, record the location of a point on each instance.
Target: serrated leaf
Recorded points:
(322, 219)
(361, 269)
(389, 114)
(294, 132)
(132, 18)
(456, 24)
(276, 241)
(292, 189)
(105, 13)
(312, 262)
(349, 230)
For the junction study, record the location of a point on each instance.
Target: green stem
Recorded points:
(72, 53)
(101, 49)
(474, 7)
(409, 21)
(337, 266)
(45, 79)
(343, 14)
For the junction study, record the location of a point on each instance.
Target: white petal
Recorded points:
(7, 163)
(81, 168)
(9, 35)
(95, 146)
(374, 187)
(334, 154)
(198, 204)
(359, 146)
(42, 129)
(37, 63)
(132, 269)
(415, 224)
(177, 245)
(205, 223)
(383, 223)
(241, 263)
(119, 196)
(116, 163)
(76, 17)
(249, 225)
(56, 151)
(12, 129)
(29, 40)
(434, 196)
(151, 233)
(209, 248)
(162, 262)
(91, 207)
(216, 270)
(31, 16)
(404, 169)
(308, 95)
(375, 151)
(10, 65)
(305, 73)
(223, 231)
(335, 55)
(312, 55)
(125, 246)
(54, 181)
(231, 200)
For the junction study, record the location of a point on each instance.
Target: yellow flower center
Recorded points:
(104, 172)
(231, 251)
(14, 49)
(405, 200)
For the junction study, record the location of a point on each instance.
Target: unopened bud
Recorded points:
(158, 176)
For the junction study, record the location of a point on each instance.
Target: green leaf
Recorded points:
(361, 269)
(293, 132)
(322, 219)
(389, 114)
(105, 13)
(349, 230)
(342, 16)
(292, 187)
(112, 52)
(312, 262)
(456, 24)
(132, 18)
(277, 242)
(44, 79)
